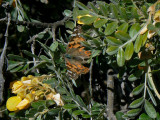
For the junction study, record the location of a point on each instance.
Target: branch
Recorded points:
(110, 95)
(36, 24)
(2, 57)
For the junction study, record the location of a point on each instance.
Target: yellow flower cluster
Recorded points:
(30, 89)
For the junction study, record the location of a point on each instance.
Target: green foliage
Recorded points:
(113, 35)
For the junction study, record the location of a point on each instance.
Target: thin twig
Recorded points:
(90, 80)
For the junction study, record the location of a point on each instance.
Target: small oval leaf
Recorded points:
(111, 27)
(122, 35)
(113, 41)
(112, 50)
(133, 112)
(150, 110)
(136, 103)
(120, 57)
(129, 51)
(99, 23)
(138, 89)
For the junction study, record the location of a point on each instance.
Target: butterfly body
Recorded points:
(76, 56)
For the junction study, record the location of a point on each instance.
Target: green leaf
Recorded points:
(119, 115)
(134, 13)
(97, 42)
(88, 19)
(13, 65)
(54, 46)
(20, 28)
(152, 97)
(114, 10)
(86, 116)
(144, 38)
(93, 7)
(95, 52)
(134, 29)
(143, 116)
(78, 112)
(70, 106)
(136, 103)
(43, 57)
(67, 13)
(103, 7)
(129, 51)
(151, 27)
(111, 27)
(69, 24)
(123, 13)
(82, 6)
(80, 101)
(16, 57)
(138, 43)
(135, 75)
(122, 35)
(38, 103)
(120, 57)
(54, 111)
(138, 89)
(123, 27)
(82, 12)
(75, 13)
(133, 112)
(111, 50)
(17, 69)
(150, 110)
(99, 23)
(158, 116)
(113, 41)
(30, 54)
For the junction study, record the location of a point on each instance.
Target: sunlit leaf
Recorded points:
(120, 57)
(134, 29)
(112, 50)
(129, 51)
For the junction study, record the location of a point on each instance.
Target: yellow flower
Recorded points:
(57, 99)
(30, 97)
(30, 76)
(11, 84)
(79, 17)
(24, 104)
(27, 82)
(22, 93)
(24, 78)
(16, 86)
(35, 81)
(12, 102)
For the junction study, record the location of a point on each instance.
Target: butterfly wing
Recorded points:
(75, 68)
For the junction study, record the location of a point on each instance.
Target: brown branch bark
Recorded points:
(35, 24)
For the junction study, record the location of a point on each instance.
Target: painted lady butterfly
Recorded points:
(76, 56)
